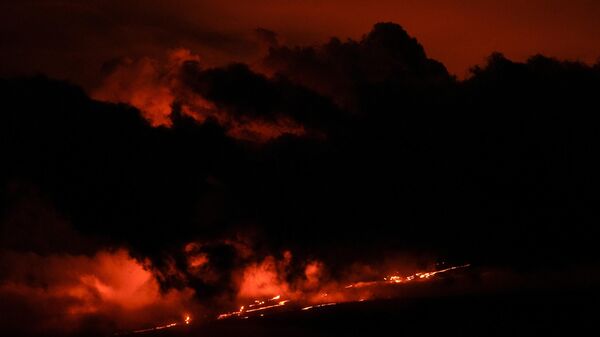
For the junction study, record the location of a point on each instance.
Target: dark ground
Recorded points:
(531, 313)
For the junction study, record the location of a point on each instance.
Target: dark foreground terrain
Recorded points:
(549, 313)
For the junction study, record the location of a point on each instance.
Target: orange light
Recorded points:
(316, 297)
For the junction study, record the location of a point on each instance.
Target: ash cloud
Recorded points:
(55, 281)
(248, 105)
(248, 96)
(394, 155)
(385, 58)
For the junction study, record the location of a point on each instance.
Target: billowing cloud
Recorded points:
(386, 56)
(74, 294)
(57, 281)
(459, 34)
(147, 84)
(248, 105)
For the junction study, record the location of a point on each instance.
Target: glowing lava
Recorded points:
(257, 305)
(342, 294)
(186, 321)
(318, 306)
(395, 279)
(160, 327)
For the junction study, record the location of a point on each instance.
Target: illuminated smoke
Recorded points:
(154, 86)
(262, 284)
(262, 279)
(147, 84)
(267, 286)
(65, 294)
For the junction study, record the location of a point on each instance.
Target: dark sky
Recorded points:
(72, 39)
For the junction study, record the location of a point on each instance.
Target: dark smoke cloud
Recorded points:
(396, 155)
(246, 95)
(72, 39)
(386, 56)
(246, 104)
(268, 37)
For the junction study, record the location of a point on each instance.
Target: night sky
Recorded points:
(72, 39)
(171, 161)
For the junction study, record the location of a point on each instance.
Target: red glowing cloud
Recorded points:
(148, 84)
(154, 86)
(109, 291)
(264, 279)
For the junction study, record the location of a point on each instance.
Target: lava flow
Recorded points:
(343, 294)
(327, 295)
(257, 305)
(395, 279)
(186, 321)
